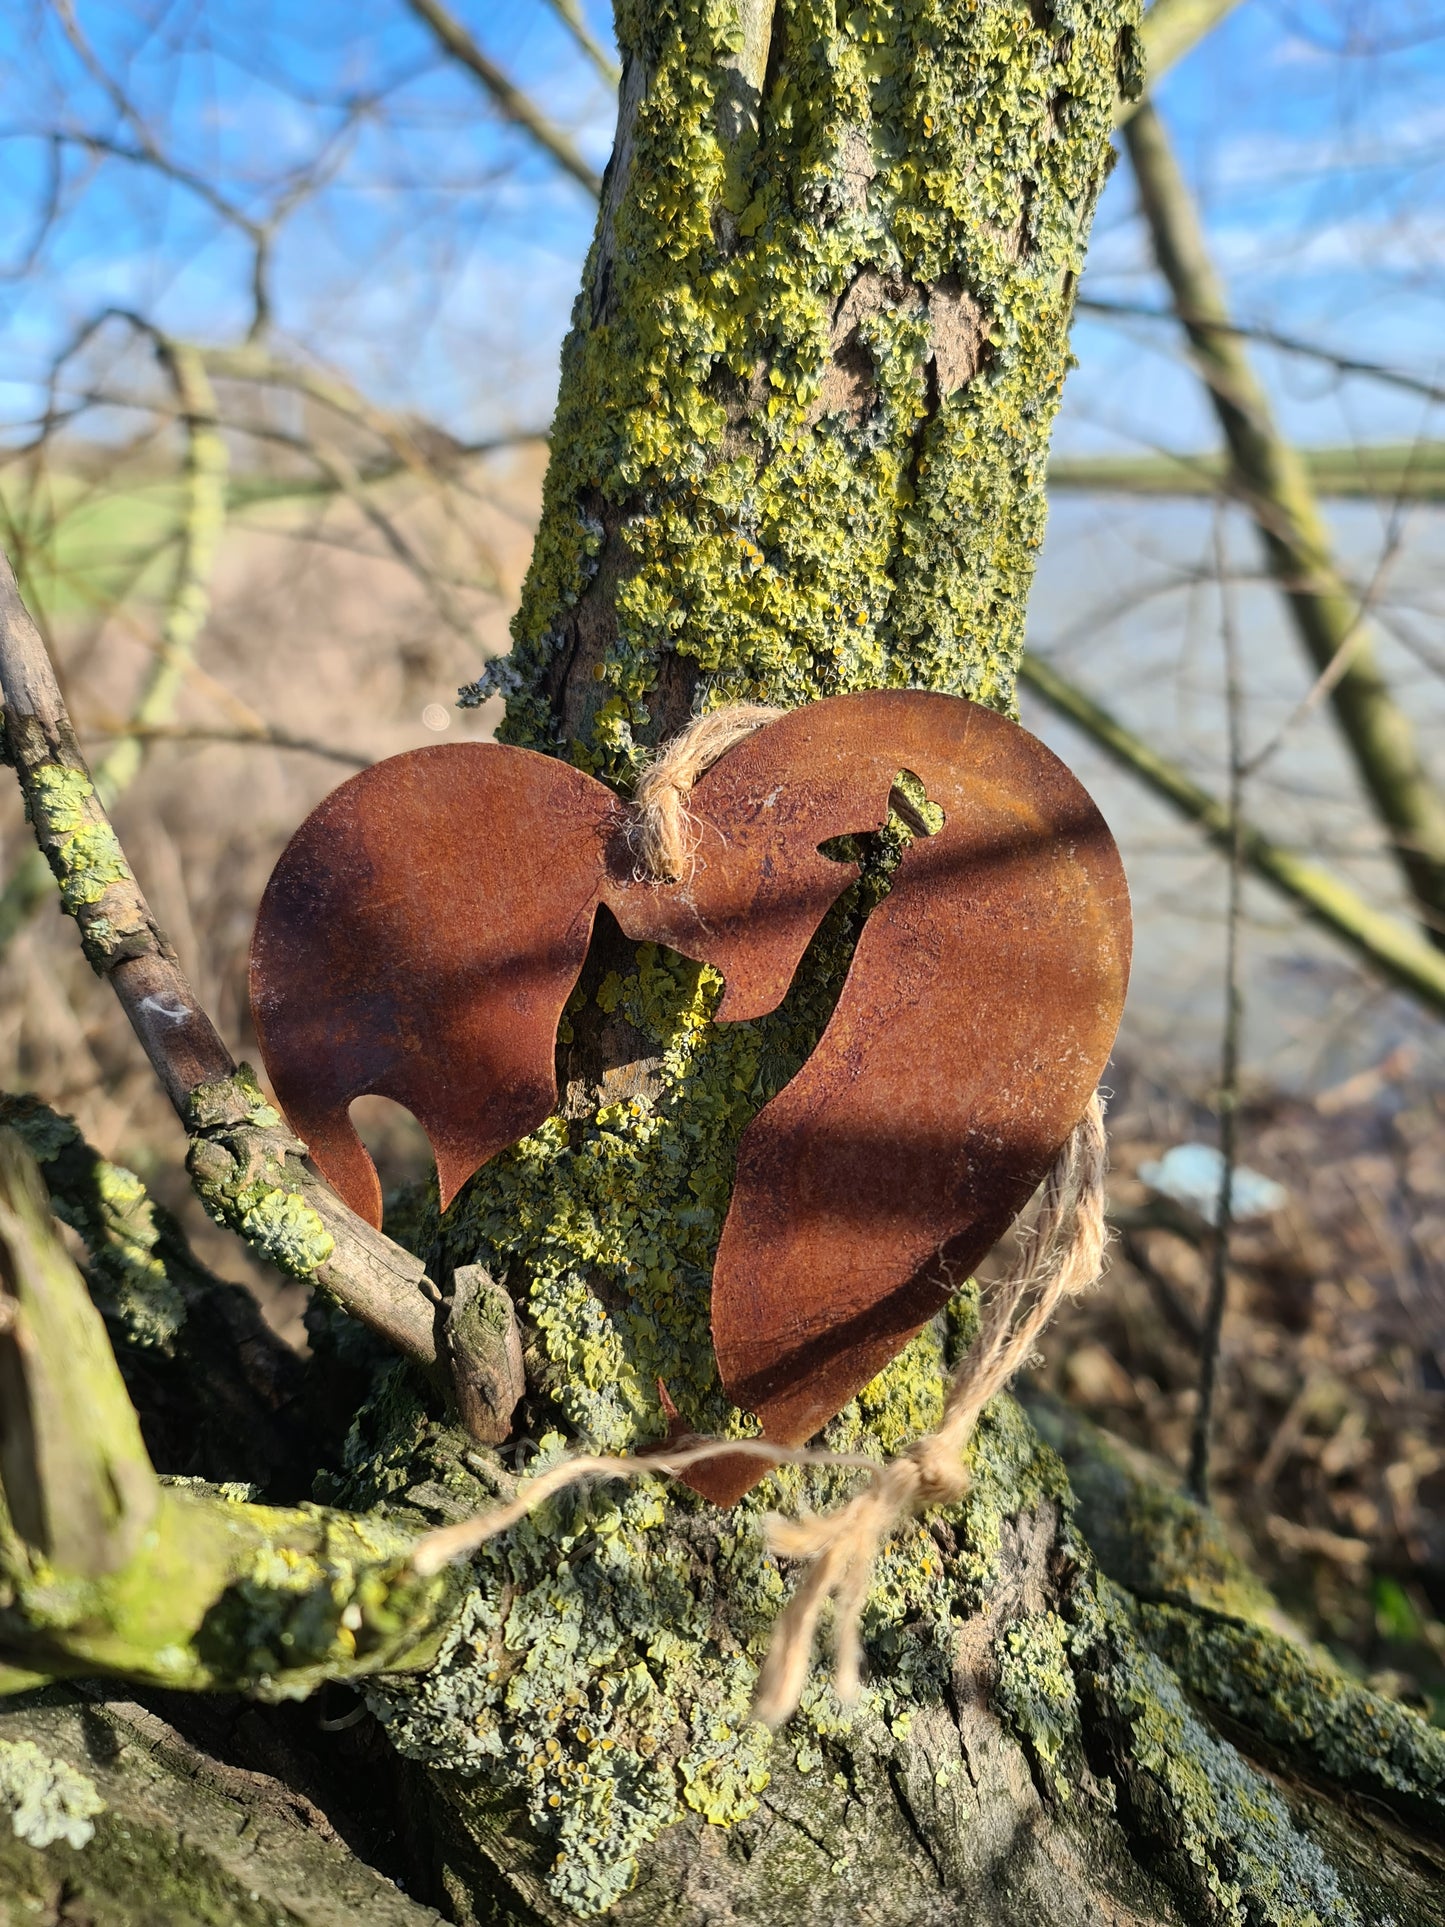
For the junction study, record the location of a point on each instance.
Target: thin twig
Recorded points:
(570, 14)
(1169, 30)
(1271, 480)
(452, 37)
(253, 738)
(1339, 663)
(1268, 338)
(1210, 1337)
(1381, 942)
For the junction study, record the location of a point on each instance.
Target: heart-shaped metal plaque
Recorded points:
(426, 925)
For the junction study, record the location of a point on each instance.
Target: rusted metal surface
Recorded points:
(976, 1019)
(426, 925)
(418, 939)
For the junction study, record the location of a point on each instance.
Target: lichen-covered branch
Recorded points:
(250, 1172)
(104, 1569)
(220, 1395)
(109, 1813)
(1274, 486)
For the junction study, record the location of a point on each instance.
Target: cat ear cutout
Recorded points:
(426, 925)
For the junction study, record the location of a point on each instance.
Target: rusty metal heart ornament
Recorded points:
(426, 925)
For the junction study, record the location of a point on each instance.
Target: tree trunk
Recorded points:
(800, 449)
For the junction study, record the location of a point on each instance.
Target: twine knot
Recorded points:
(939, 1472)
(662, 835)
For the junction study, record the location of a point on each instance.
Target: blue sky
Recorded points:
(438, 261)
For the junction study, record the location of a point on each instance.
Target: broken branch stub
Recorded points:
(78, 1484)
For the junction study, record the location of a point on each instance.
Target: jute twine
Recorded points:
(1060, 1254)
(663, 835)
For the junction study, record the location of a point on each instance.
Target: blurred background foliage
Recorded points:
(282, 291)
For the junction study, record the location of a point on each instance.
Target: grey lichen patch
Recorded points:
(47, 1800)
(601, 1670)
(603, 1663)
(1189, 1794)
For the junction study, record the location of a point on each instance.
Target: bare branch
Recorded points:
(1268, 338)
(264, 738)
(1273, 484)
(1172, 29)
(186, 609)
(570, 14)
(1382, 943)
(452, 37)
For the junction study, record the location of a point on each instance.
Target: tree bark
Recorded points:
(800, 449)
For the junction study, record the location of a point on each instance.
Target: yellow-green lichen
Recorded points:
(84, 854)
(1254, 1867)
(224, 1593)
(284, 1229)
(1035, 1689)
(243, 1167)
(603, 1663)
(47, 1800)
(814, 436)
(1297, 1698)
(109, 1207)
